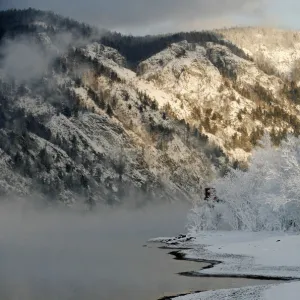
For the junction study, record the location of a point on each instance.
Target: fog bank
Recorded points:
(69, 255)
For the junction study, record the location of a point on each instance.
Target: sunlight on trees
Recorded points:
(266, 197)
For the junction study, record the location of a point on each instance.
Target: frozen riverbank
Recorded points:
(288, 291)
(58, 254)
(244, 254)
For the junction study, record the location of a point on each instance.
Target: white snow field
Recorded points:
(246, 254)
(288, 291)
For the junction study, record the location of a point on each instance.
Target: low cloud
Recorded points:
(148, 16)
(23, 59)
(59, 254)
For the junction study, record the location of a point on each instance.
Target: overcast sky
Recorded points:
(159, 16)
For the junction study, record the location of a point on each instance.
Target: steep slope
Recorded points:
(276, 51)
(105, 118)
(226, 97)
(83, 131)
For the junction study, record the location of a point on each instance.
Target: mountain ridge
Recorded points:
(106, 118)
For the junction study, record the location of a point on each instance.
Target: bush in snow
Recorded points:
(266, 197)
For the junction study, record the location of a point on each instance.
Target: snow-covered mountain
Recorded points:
(106, 118)
(274, 50)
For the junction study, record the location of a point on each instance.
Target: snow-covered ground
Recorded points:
(246, 254)
(289, 291)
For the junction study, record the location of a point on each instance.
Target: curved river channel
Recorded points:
(59, 255)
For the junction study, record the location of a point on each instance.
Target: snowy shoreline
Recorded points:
(261, 255)
(212, 263)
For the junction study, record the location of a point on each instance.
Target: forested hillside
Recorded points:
(92, 116)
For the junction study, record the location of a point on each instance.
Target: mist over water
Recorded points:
(62, 254)
(70, 255)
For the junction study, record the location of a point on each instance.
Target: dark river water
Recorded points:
(63, 255)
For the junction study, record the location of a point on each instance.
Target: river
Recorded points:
(103, 256)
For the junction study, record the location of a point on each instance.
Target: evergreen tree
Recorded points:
(109, 111)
